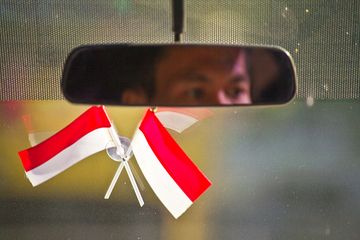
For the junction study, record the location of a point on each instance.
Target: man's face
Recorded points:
(202, 76)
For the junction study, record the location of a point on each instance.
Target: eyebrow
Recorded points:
(238, 79)
(190, 76)
(194, 76)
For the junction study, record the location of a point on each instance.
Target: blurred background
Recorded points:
(281, 172)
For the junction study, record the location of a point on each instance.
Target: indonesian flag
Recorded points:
(174, 178)
(86, 135)
(177, 119)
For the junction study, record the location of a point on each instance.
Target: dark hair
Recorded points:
(281, 88)
(105, 72)
(135, 64)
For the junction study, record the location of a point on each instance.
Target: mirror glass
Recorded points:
(178, 75)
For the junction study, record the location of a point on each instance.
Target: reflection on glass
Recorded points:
(178, 75)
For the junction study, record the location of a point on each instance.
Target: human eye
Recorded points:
(196, 93)
(235, 92)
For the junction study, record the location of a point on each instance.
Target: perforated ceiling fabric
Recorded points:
(322, 36)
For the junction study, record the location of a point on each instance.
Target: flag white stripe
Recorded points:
(91, 143)
(176, 121)
(169, 193)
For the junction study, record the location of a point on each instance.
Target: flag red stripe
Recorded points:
(93, 118)
(179, 166)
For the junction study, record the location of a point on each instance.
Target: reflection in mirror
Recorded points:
(178, 75)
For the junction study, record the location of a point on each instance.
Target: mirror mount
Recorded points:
(178, 19)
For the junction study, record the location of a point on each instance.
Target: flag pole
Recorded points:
(115, 137)
(137, 177)
(131, 176)
(124, 163)
(133, 183)
(114, 180)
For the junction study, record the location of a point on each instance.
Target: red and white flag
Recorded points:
(174, 178)
(86, 135)
(177, 119)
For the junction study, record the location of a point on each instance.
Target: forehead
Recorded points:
(200, 54)
(191, 58)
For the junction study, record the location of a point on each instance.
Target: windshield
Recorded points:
(284, 172)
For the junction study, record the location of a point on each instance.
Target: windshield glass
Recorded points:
(281, 172)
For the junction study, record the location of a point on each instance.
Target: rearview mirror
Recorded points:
(178, 75)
